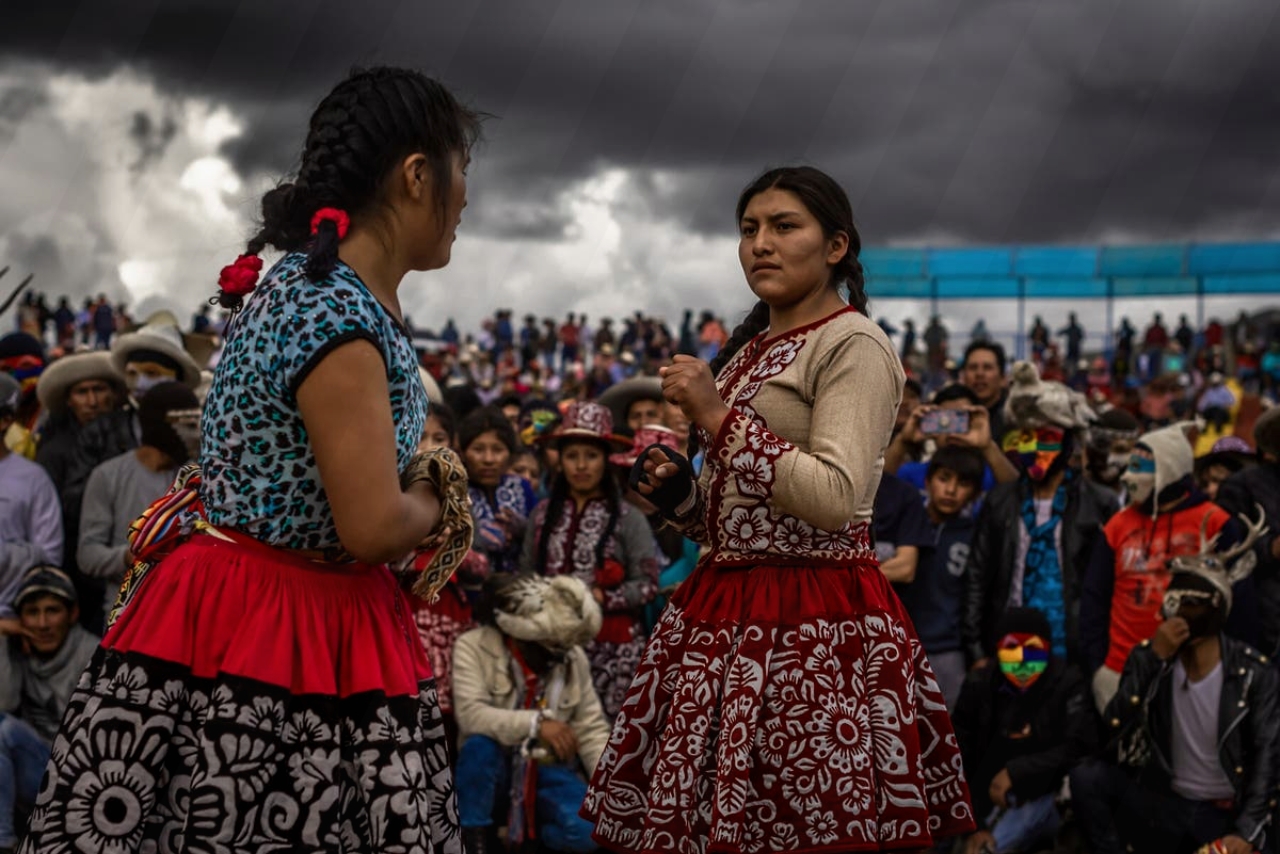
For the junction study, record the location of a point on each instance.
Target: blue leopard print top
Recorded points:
(259, 474)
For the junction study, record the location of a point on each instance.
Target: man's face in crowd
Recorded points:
(89, 399)
(910, 400)
(981, 374)
(49, 619)
(1212, 478)
(643, 412)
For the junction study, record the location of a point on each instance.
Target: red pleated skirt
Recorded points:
(781, 708)
(251, 700)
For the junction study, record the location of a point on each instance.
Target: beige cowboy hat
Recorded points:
(619, 397)
(63, 374)
(159, 333)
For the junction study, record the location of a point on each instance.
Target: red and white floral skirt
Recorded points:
(251, 700)
(781, 708)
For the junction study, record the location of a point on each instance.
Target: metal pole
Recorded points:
(1021, 346)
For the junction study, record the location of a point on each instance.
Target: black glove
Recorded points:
(668, 493)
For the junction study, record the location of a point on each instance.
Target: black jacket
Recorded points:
(994, 551)
(1037, 735)
(1247, 725)
(1238, 494)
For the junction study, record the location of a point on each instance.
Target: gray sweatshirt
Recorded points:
(38, 689)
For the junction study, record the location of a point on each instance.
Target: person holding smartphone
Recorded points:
(952, 418)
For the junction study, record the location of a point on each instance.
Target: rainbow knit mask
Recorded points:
(1023, 658)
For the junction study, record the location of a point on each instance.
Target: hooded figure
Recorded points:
(1165, 522)
(529, 721)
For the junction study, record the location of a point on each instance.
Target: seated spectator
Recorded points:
(1216, 403)
(901, 528)
(122, 487)
(30, 516)
(1196, 725)
(1023, 722)
(526, 708)
(1125, 583)
(935, 597)
(42, 654)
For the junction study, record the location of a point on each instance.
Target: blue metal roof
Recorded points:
(1073, 272)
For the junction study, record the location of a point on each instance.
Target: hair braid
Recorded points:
(358, 133)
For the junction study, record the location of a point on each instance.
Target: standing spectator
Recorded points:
(1154, 342)
(1074, 333)
(1184, 334)
(43, 651)
(122, 487)
(1125, 583)
(527, 710)
(1260, 485)
(1228, 455)
(982, 372)
(1196, 723)
(500, 500)
(1111, 440)
(936, 340)
(901, 527)
(586, 530)
(1023, 722)
(104, 323)
(979, 331)
(711, 336)
(908, 347)
(22, 357)
(1034, 536)
(569, 342)
(64, 325)
(30, 518)
(935, 597)
(1039, 337)
(688, 345)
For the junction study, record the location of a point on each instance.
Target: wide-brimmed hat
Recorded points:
(63, 374)
(620, 396)
(649, 434)
(588, 420)
(431, 387)
(160, 335)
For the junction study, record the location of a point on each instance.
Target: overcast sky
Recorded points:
(136, 137)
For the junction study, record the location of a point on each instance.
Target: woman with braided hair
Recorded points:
(261, 686)
(783, 702)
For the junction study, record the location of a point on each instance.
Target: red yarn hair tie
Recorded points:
(241, 277)
(335, 215)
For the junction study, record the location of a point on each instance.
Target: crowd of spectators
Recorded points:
(1086, 542)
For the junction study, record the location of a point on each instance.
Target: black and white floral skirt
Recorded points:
(246, 702)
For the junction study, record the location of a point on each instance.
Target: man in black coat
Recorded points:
(1260, 485)
(1195, 726)
(1023, 721)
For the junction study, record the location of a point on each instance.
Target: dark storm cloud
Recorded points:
(152, 136)
(982, 120)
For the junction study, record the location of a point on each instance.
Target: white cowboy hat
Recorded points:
(62, 374)
(160, 333)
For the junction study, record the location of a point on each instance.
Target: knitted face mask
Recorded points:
(1140, 478)
(1035, 451)
(1023, 658)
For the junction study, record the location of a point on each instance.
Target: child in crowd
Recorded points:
(934, 597)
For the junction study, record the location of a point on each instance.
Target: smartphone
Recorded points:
(944, 422)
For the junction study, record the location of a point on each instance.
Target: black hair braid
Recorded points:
(356, 135)
(756, 321)
(614, 503)
(555, 508)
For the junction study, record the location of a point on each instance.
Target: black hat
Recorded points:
(45, 580)
(1024, 621)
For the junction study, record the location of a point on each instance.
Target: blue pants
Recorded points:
(1027, 827)
(23, 757)
(483, 776)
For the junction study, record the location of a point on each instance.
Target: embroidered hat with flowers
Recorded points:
(586, 420)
